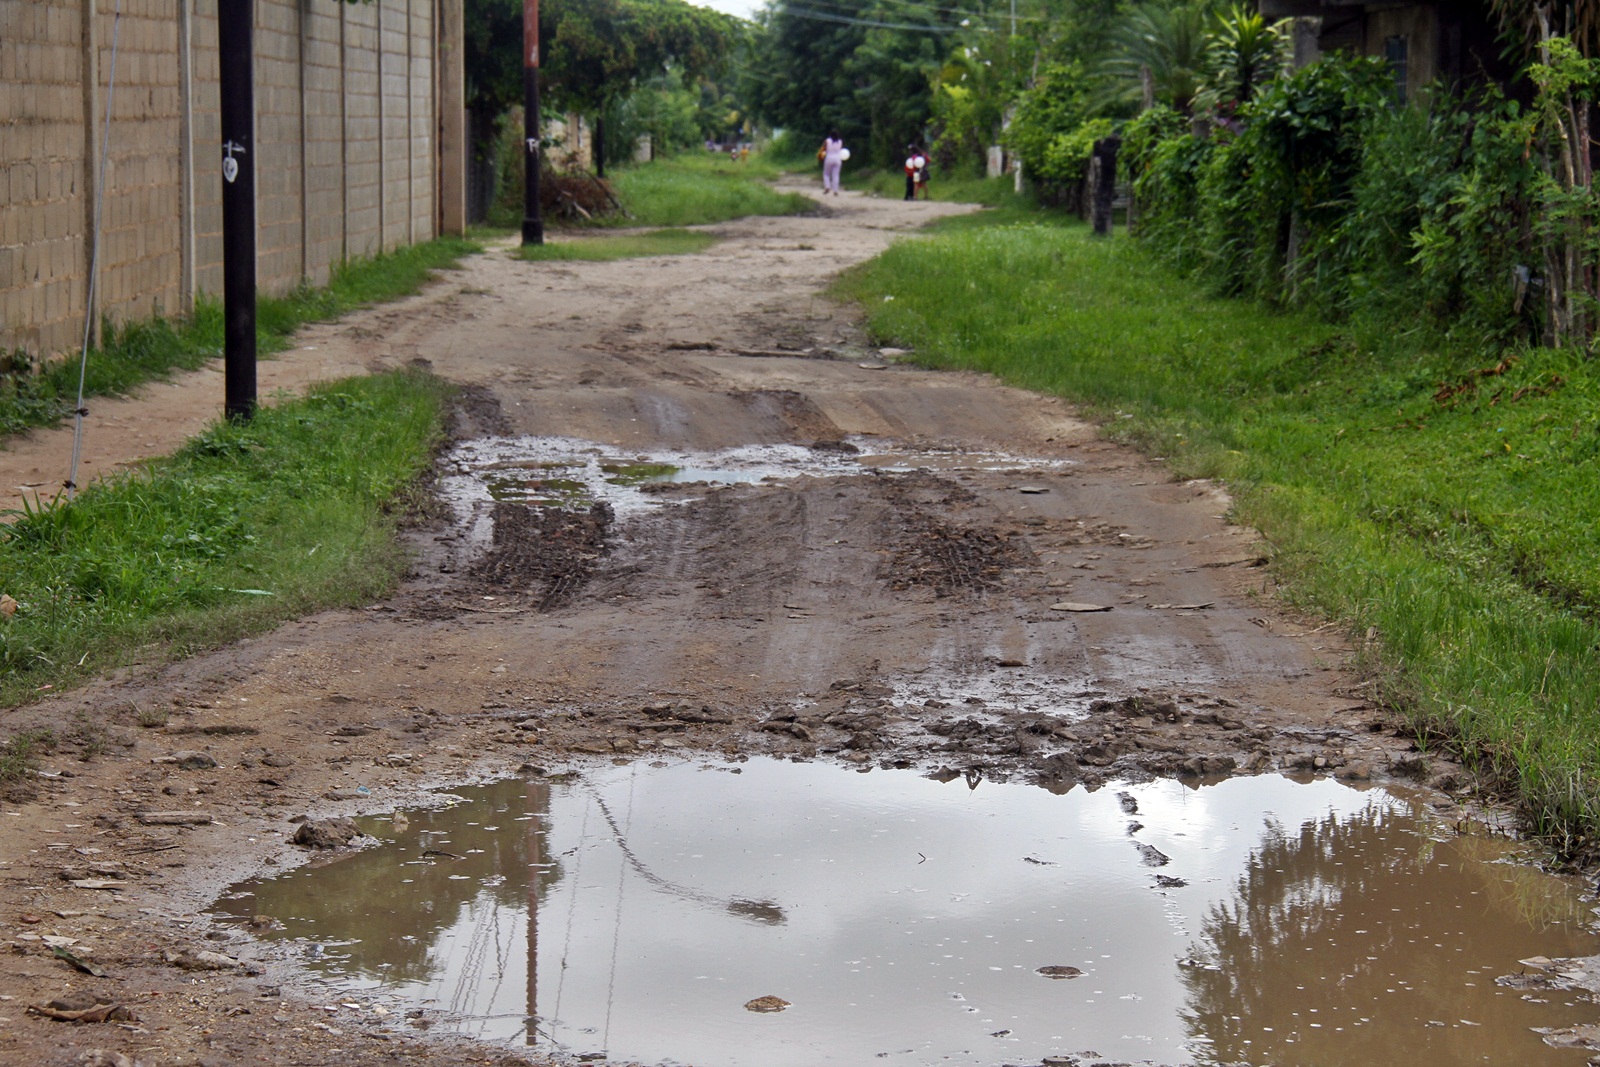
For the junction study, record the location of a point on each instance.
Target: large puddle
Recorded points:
(903, 920)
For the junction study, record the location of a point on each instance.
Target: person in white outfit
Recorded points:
(833, 156)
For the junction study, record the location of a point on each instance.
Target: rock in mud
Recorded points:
(767, 1003)
(99, 1057)
(1203, 766)
(189, 760)
(203, 960)
(1584, 1035)
(1059, 971)
(326, 833)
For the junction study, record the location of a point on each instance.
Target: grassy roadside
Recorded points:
(604, 248)
(697, 188)
(246, 526)
(1442, 507)
(138, 352)
(963, 189)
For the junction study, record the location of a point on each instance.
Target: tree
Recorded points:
(592, 55)
(596, 52)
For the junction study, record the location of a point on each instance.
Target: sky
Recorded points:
(742, 8)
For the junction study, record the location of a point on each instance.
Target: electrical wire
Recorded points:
(616, 930)
(974, 16)
(822, 16)
(71, 484)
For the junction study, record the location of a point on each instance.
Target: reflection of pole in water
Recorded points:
(538, 801)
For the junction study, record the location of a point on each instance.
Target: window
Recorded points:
(1395, 53)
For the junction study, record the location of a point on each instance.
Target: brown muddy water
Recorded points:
(912, 921)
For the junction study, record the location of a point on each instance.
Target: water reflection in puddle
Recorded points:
(570, 473)
(1254, 921)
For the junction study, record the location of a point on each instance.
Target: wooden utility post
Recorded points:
(1103, 184)
(532, 221)
(235, 50)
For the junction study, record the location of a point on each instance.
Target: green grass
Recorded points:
(699, 188)
(603, 248)
(1462, 533)
(137, 352)
(246, 526)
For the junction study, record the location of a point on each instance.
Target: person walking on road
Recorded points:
(833, 154)
(916, 171)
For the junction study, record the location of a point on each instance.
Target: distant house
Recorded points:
(1423, 41)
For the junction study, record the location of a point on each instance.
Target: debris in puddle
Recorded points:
(767, 1003)
(1152, 856)
(1059, 971)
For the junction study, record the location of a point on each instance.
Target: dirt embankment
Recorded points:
(961, 578)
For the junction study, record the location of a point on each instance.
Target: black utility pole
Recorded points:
(235, 52)
(532, 220)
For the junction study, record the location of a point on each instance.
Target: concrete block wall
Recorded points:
(347, 109)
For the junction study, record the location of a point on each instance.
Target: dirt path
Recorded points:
(897, 603)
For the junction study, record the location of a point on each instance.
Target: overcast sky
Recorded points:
(742, 8)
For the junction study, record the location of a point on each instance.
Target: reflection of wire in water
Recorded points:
(616, 929)
(762, 911)
(485, 931)
(572, 906)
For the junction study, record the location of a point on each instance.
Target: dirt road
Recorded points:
(906, 589)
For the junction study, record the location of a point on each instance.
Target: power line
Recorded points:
(971, 16)
(823, 16)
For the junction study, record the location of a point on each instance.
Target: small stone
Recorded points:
(192, 760)
(1032, 489)
(1060, 971)
(326, 833)
(767, 1003)
(99, 1057)
(1071, 605)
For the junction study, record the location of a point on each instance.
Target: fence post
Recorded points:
(1103, 183)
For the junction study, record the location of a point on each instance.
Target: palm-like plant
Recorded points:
(1244, 53)
(1578, 19)
(1165, 43)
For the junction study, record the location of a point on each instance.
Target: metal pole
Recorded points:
(532, 221)
(235, 20)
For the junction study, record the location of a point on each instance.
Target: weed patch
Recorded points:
(17, 755)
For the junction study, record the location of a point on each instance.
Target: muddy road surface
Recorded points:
(693, 514)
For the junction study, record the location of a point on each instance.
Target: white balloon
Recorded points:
(844, 153)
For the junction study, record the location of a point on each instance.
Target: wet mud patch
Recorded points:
(930, 551)
(547, 554)
(794, 412)
(951, 560)
(635, 912)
